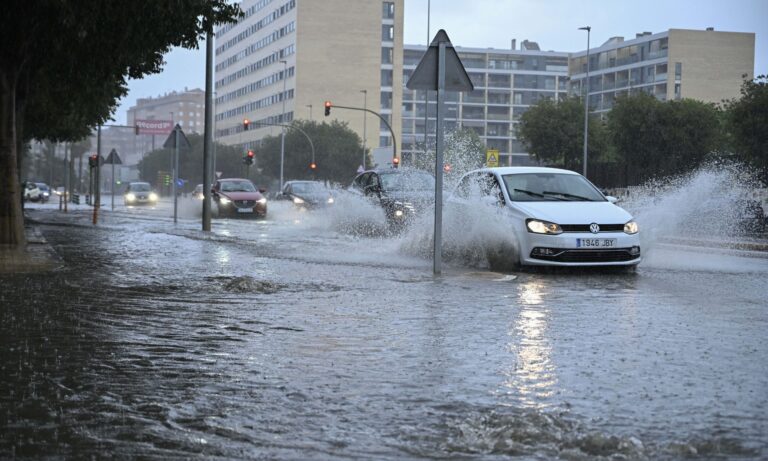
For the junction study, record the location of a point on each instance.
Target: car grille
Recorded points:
(245, 203)
(587, 256)
(585, 227)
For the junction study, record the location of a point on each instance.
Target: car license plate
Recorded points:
(245, 210)
(595, 243)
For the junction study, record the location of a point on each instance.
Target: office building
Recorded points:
(186, 108)
(285, 58)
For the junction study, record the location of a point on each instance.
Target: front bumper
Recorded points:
(563, 250)
(244, 208)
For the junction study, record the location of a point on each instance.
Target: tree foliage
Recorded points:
(64, 65)
(463, 151)
(554, 133)
(337, 152)
(747, 121)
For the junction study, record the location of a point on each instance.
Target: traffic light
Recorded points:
(313, 166)
(93, 161)
(249, 157)
(395, 161)
(246, 124)
(447, 168)
(167, 180)
(328, 108)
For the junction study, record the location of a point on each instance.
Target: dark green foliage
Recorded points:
(747, 122)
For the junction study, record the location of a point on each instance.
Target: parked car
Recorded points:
(198, 192)
(31, 192)
(45, 191)
(307, 194)
(402, 193)
(239, 197)
(557, 217)
(139, 193)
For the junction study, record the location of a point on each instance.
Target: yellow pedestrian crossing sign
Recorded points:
(492, 158)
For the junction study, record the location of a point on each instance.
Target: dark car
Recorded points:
(239, 197)
(45, 191)
(402, 193)
(308, 194)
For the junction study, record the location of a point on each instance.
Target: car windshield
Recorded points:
(42, 186)
(308, 188)
(407, 181)
(545, 187)
(140, 187)
(237, 186)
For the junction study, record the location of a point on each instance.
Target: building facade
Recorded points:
(187, 108)
(506, 83)
(285, 58)
(706, 65)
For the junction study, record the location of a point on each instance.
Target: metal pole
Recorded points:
(67, 179)
(208, 157)
(365, 116)
(176, 175)
(438, 240)
(586, 103)
(282, 119)
(113, 185)
(426, 92)
(96, 197)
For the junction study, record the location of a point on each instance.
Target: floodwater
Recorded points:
(302, 336)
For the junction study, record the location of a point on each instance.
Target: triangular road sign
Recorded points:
(425, 75)
(170, 143)
(113, 158)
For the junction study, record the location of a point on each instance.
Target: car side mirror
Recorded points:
(611, 198)
(372, 188)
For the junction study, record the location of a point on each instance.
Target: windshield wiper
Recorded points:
(570, 196)
(536, 194)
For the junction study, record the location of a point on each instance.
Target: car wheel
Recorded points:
(503, 257)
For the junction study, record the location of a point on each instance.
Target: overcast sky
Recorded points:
(494, 23)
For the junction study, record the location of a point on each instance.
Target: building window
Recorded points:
(678, 70)
(387, 33)
(386, 77)
(387, 55)
(388, 10)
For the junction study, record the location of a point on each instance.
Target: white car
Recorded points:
(31, 192)
(557, 218)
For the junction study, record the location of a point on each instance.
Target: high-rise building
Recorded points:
(506, 83)
(186, 108)
(285, 58)
(706, 65)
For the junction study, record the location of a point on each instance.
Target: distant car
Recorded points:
(31, 192)
(45, 191)
(308, 194)
(239, 197)
(198, 193)
(139, 193)
(557, 218)
(402, 193)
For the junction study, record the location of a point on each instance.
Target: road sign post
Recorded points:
(439, 69)
(176, 140)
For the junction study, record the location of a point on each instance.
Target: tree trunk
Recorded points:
(11, 216)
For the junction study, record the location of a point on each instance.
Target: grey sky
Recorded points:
(494, 23)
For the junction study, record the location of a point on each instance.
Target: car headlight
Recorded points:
(263, 201)
(631, 227)
(152, 197)
(330, 199)
(225, 201)
(296, 200)
(543, 227)
(130, 197)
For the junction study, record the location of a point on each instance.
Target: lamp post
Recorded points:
(426, 92)
(586, 102)
(365, 132)
(282, 119)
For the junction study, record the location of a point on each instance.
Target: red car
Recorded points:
(239, 197)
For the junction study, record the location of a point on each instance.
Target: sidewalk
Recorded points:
(37, 256)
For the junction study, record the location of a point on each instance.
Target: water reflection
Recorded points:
(532, 379)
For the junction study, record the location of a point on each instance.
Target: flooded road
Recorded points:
(294, 338)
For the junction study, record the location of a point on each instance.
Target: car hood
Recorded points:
(313, 198)
(241, 195)
(574, 212)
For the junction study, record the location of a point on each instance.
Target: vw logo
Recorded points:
(594, 228)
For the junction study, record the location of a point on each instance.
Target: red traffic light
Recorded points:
(93, 161)
(250, 154)
(246, 124)
(312, 165)
(328, 106)
(447, 167)
(395, 161)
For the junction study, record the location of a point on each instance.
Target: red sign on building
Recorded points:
(154, 126)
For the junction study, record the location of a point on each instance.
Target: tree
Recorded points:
(337, 152)
(747, 121)
(63, 67)
(554, 133)
(463, 151)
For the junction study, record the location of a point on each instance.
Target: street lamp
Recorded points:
(586, 102)
(365, 107)
(426, 92)
(282, 119)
